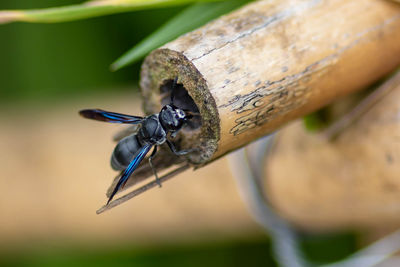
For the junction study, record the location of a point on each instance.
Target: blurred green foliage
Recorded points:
(328, 248)
(53, 61)
(316, 121)
(41, 61)
(321, 249)
(232, 254)
(189, 19)
(86, 9)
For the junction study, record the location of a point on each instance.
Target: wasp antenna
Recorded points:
(173, 89)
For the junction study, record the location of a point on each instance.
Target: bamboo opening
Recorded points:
(192, 93)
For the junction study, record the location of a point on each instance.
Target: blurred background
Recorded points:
(54, 166)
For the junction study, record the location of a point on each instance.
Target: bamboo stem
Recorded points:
(270, 62)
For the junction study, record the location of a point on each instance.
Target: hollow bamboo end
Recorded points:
(158, 72)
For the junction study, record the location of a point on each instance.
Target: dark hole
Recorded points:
(182, 100)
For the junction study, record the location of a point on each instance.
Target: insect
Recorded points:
(153, 131)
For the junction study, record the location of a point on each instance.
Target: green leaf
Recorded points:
(317, 120)
(189, 19)
(85, 10)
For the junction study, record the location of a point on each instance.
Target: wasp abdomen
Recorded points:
(124, 152)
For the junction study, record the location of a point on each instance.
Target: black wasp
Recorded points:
(131, 150)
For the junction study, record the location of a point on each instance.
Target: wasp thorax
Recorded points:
(149, 128)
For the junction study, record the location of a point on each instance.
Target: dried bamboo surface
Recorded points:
(270, 62)
(353, 181)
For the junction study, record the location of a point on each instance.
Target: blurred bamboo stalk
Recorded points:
(270, 62)
(351, 181)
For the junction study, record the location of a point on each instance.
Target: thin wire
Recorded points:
(248, 171)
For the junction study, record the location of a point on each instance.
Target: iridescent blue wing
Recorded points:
(130, 169)
(102, 115)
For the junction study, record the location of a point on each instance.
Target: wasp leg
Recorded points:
(178, 153)
(152, 166)
(173, 135)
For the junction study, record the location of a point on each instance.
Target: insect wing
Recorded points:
(130, 169)
(107, 116)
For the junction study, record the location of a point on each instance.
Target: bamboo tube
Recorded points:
(270, 62)
(353, 181)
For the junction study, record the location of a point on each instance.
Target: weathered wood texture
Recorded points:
(251, 71)
(351, 182)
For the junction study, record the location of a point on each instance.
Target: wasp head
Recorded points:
(172, 118)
